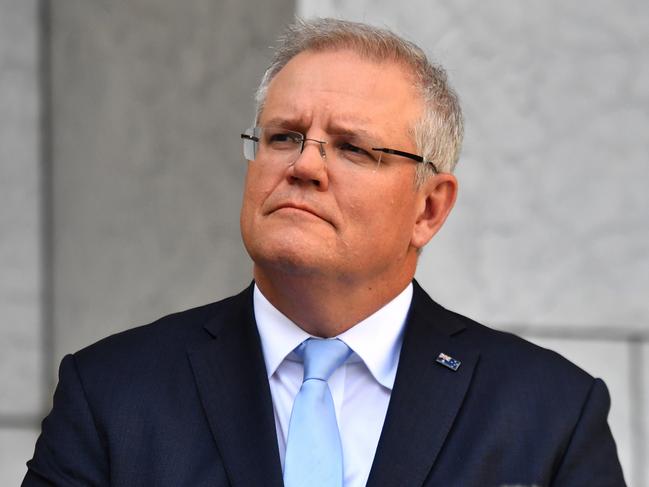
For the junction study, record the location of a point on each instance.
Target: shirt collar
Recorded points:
(279, 335)
(376, 340)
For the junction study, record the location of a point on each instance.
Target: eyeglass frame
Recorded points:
(385, 150)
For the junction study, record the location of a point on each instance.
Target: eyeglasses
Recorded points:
(281, 146)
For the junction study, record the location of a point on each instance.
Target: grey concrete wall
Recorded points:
(550, 236)
(141, 188)
(149, 99)
(20, 237)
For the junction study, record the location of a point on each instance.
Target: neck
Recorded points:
(326, 307)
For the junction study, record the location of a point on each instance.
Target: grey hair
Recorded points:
(437, 135)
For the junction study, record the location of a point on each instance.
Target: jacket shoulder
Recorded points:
(513, 353)
(159, 347)
(504, 357)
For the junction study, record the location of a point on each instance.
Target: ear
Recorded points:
(437, 196)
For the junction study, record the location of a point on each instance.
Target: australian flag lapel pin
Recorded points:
(448, 361)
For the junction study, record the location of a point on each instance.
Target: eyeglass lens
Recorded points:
(278, 145)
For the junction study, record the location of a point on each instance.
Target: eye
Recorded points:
(356, 155)
(351, 148)
(279, 137)
(282, 139)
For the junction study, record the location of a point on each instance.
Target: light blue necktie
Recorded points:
(314, 454)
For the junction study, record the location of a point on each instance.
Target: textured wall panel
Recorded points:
(20, 266)
(552, 222)
(149, 99)
(643, 415)
(16, 446)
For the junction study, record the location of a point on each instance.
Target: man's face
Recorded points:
(320, 217)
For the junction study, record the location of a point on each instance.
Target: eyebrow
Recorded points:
(342, 126)
(286, 122)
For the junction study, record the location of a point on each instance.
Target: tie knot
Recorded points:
(322, 357)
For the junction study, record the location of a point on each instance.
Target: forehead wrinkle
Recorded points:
(287, 122)
(300, 118)
(344, 125)
(348, 122)
(290, 114)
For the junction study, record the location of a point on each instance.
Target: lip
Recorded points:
(300, 207)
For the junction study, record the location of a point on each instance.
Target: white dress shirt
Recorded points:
(360, 388)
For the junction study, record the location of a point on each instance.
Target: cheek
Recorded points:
(258, 185)
(387, 202)
(388, 218)
(253, 196)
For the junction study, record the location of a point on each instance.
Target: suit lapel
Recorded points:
(232, 383)
(426, 396)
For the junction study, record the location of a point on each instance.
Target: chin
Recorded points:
(292, 265)
(285, 253)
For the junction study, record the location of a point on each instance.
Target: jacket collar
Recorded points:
(231, 379)
(425, 400)
(426, 397)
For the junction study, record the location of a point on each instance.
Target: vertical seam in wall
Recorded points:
(636, 413)
(46, 202)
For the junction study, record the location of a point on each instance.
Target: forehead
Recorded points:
(341, 88)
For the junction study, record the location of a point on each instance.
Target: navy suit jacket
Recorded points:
(185, 401)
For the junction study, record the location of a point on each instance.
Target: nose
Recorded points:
(320, 143)
(310, 167)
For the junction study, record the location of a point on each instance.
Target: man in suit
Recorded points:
(349, 176)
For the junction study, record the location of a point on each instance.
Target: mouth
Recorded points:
(299, 207)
